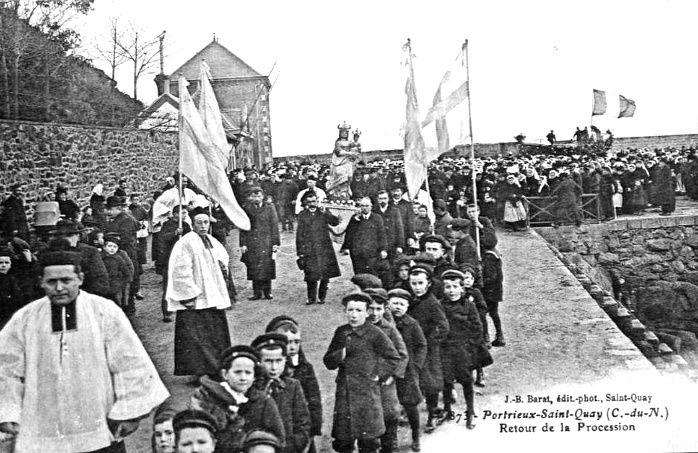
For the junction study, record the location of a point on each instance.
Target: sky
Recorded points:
(532, 64)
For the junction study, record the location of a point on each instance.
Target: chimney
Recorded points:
(163, 83)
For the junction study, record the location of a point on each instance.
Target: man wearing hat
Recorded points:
(69, 208)
(664, 187)
(121, 222)
(260, 244)
(96, 277)
(314, 248)
(197, 292)
(14, 215)
(286, 192)
(74, 376)
(465, 250)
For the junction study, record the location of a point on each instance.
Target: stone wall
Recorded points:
(649, 264)
(44, 155)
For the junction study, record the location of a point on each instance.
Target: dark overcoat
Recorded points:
(464, 336)
(235, 420)
(313, 242)
(394, 229)
(305, 374)
(408, 386)
(293, 409)
(358, 413)
(663, 188)
(389, 398)
(96, 280)
(126, 226)
(15, 217)
(259, 240)
(431, 318)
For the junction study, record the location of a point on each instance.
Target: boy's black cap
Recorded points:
(260, 437)
(401, 293)
(279, 321)
(194, 418)
(365, 281)
(241, 350)
(378, 295)
(270, 340)
(356, 296)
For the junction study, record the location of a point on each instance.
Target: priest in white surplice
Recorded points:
(74, 377)
(197, 292)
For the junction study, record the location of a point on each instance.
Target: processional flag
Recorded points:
(452, 124)
(211, 115)
(627, 107)
(199, 160)
(599, 103)
(415, 153)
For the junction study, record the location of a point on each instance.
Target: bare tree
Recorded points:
(140, 50)
(19, 22)
(107, 49)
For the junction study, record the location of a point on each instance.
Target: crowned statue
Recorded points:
(343, 163)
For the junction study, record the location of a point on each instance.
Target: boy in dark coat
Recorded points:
(234, 403)
(460, 348)
(492, 290)
(366, 359)
(314, 248)
(286, 391)
(260, 244)
(389, 398)
(11, 297)
(119, 269)
(298, 367)
(408, 386)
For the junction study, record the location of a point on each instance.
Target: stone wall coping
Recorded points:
(599, 229)
(81, 126)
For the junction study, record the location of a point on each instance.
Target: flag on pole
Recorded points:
(627, 107)
(211, 116)
(599, 103)
(452, 125)
(415, 153)
(199, 160)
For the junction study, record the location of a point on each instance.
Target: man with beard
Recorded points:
(365, 239)
(197, 292)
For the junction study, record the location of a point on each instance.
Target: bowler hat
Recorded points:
(66, 228)
(115, 201)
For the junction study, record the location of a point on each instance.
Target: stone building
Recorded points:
(243, 97)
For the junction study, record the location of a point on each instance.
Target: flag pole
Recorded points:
(180, 127)
(472, 148)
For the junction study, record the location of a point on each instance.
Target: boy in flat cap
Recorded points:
(259, 441)
(298, 367)
(408, 391)
(235, 404)
(286, 391)
(366, 359)
(195, 431)
(56, 345)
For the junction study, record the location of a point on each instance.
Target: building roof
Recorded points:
(223, 64)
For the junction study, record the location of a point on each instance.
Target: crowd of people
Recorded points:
(415, 325)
